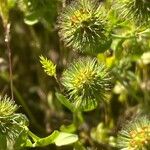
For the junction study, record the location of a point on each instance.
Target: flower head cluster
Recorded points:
(87, 82)
(136, 135)
(11, 123)
(137, 10)
(82, 25)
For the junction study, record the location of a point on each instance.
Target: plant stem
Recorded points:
(77, 118)
(34, 137)
(123, 37)
(7, 41)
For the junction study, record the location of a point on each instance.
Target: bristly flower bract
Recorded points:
(82, 26)
(135, 10)
(135, 135)
(87, 82)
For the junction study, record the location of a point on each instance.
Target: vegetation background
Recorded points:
(34, 32)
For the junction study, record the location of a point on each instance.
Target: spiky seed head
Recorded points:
(135, 135)
(136, 10)
(48, 65)
(87, 82)
(7, 106)
(11, 123)
(82, 26)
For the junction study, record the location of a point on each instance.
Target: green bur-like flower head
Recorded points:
(83, 26)
(87, 82)
(136, 135)
(7, 106)
(11, 123)
(136, 10)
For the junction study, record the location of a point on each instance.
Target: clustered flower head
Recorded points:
(136, 10)
(11, 123)
(82, 26)
(7, 106)
(136, 135)
(87, 82)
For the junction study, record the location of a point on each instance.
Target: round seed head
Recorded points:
(7, 106)
(136, 135)
(136, 10)
(87, 83)
(11, 123)
(82, 26)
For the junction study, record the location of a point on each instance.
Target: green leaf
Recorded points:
(3, 142)
(69, 129)
(47, 140)
(79, 146)
(63, 100)
(59, 138)
(30, 22)
(22, 141)
(87, 105)
(65, 139)
(31, 19)
(11, 3)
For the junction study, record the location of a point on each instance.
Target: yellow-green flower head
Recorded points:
(136, 135)
(87, 83)
(136, 10)
(11, 123)
(82, 26)
(7, 106)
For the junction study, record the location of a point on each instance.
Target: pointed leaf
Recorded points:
(65, 102)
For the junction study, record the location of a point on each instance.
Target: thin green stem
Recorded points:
(123, 37)
(33, 136)
(77, 118)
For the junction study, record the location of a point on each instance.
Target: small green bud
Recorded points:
(48, 66)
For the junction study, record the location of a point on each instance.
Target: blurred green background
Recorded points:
(34, 32)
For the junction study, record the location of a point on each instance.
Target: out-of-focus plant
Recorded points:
(35, 11)
(136, 10)
(108, 84)
(135, 135)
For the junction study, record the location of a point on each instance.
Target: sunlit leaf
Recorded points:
(65, 139)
